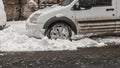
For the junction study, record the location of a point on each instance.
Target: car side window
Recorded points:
(87, 4)
(102, 3)
(82, 4)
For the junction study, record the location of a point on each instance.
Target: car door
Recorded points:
(95, 16)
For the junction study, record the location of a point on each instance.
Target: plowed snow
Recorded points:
(14, 38)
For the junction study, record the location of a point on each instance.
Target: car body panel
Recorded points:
(95, 20)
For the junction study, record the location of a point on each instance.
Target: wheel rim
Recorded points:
(59, 31)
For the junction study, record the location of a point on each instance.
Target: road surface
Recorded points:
(104, 57)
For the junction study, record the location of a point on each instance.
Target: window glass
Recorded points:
(95, 2)
(87, 4)
(102, 2)
(66, 2)
(83, 4)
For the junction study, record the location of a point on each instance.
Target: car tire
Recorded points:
(59, 31)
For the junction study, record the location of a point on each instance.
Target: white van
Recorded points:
(96, 17)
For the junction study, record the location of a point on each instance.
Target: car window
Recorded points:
(87, 4)
(66, 2)
(102, 2)
(82, 4)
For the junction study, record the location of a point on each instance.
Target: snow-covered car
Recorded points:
(2, 16)
(79, 17)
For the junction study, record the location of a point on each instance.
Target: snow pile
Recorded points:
(109, 40)
(33, 3)
(2, 14)
(14, 38)
(13, 41)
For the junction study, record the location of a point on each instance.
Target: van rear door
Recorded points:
(96, 16)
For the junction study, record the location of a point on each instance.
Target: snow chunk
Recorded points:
(33, 3)
(109, 40)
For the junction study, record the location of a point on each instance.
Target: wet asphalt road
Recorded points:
(104, 57)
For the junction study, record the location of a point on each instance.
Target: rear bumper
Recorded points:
(34, 30)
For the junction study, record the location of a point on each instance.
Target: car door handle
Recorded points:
(110, 9)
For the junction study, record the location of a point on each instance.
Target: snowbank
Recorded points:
(15, 39)
(109, 41)
(2, 14)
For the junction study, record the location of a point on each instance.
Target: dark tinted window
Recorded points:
(87, 4)
(95, 2)
(66, 2)
(102, 2)
(84, 3)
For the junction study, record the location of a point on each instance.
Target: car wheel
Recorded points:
(59, 31)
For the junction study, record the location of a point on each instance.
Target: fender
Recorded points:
(63, 19)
